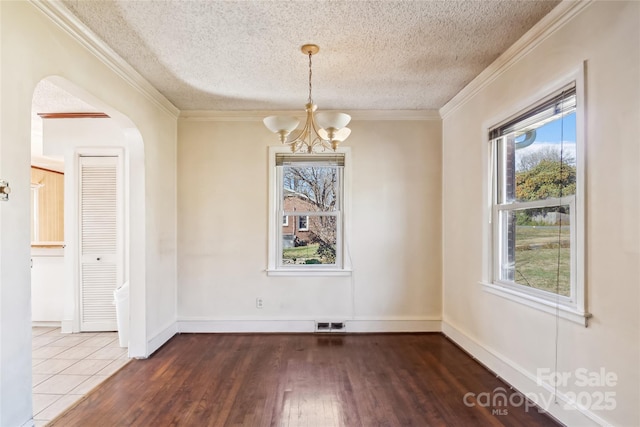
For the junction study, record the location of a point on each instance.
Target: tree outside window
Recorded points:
(535, 188)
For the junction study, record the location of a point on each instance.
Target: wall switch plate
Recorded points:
(259, 302)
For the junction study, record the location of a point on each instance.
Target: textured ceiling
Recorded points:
(50, 98)
(244, 55)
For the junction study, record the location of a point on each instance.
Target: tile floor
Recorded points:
(68, 366)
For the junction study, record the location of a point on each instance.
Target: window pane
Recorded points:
(536, 246)
(539, 161)
(315, 244)
(310, 188)
(303, 223)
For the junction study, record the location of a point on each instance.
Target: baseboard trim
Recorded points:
(244, 326)
(394, 325)
(186, 325)
(566, 411)
(46, 324)
(162, 337)
(66, 327)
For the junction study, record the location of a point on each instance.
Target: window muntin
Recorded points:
(534, 214)
(310, 190)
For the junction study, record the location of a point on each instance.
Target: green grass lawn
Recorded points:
(301, 252)
(527, 235)
(537, 258)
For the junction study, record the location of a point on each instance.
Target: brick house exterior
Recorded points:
(296, 230)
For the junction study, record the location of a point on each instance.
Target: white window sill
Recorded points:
(309, 272)
(564, 311)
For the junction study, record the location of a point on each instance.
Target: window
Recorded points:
(310, 188)
(535, 214)
(303, 223)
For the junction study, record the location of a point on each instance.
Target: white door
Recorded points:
(101, 259)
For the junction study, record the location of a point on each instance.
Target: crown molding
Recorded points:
(548, 25)
(258, 116)
(68, 22)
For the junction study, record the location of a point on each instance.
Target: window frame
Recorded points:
(275, 266)
(306, 221)
(574, 307)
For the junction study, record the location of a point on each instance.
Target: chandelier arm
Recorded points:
(315, 127)
(312, 134)
(300, 137)
(325, 143)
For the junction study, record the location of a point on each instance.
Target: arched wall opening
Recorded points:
(38, 42)
(129, 140)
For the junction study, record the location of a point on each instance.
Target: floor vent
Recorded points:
(331, 327)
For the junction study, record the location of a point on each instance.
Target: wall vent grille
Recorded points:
(331, 327)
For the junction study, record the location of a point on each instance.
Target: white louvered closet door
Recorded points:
(100, 241)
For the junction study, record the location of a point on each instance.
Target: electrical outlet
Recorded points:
(259, 302)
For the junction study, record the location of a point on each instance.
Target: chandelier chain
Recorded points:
(310, 73)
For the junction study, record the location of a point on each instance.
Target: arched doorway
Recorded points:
(134, 241)
(69, 126)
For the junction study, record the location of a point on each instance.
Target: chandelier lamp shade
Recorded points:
(321, 132)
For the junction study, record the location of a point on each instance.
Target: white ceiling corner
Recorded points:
(539, 32)
(374, 55)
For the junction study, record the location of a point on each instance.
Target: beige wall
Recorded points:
(33, 47)
(223, 222)
(606, 35)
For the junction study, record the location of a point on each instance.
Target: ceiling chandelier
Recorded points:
(321, 132)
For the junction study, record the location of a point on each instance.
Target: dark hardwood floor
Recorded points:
(301, 380)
